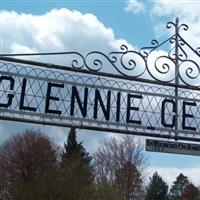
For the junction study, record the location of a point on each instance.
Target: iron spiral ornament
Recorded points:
(154, 62)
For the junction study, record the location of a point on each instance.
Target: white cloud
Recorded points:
(169, 174)
(18, 48)
(186, 11)
(57, 30)
(179, 8)
(134, 6)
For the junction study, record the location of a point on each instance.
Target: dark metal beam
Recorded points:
(137, 133)
(97, 73)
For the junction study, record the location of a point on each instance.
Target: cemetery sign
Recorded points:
(149, 92)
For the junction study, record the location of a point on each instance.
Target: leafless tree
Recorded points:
(24, 158)
(123, 164)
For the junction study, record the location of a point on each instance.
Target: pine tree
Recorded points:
(76, 170)
(157, 188)
(73, 148)
(178, 187)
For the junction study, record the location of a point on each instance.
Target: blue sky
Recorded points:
(136, 22)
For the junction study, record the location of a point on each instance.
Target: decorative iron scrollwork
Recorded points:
(150, 62)
(181, 62)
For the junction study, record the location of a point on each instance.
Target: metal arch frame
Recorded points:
(112, 130)
(153, 90)
(176, 56)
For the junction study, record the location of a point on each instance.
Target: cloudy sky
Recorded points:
(85, 25)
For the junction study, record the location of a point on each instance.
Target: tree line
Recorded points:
(181, 189)
(33, 167)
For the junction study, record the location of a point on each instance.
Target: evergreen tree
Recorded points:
(178, 187)
(73, 148)
(76, 170)
(157, 188)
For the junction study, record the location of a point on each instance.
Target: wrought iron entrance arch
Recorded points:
(147, 92)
